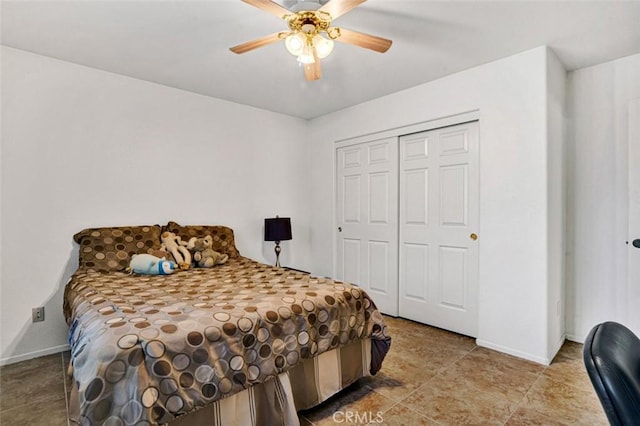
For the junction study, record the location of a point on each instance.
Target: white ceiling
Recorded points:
(184, 44)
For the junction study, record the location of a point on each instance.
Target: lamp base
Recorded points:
(278, 250)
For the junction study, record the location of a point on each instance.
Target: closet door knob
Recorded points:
(339, 228)
(636, 243)
(473, 237)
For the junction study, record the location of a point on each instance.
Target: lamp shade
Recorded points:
(277, 229)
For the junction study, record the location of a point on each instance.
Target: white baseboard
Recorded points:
(510, 351)
(34, 354)
(558, 346)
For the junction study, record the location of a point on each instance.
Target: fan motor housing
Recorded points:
(309, 21)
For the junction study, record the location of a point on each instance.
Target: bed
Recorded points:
(240, 343)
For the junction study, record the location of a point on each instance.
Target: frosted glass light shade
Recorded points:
(323, 46)
(295, 44)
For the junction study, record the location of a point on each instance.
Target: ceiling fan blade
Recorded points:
(254, 44)
(367, 41)
(337, 8)
(270, 7)
(313, 71)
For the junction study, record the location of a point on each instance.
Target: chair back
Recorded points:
(612, 357)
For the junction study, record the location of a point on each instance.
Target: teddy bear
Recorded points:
(203, 253)
(178, 249)
(148, 264)
(162, 254)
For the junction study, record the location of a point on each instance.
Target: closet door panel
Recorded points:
(453, 277)
(351, 201)
(351, 263)
(454, 142)
(439, 213)
(453, 195)
(379, 198)
(379, 266)
(367, 219)
(416, 204)
(416, 266)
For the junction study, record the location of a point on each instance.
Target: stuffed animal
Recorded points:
(162, 254)
(148, 264)
(174, 245)
(203, 253)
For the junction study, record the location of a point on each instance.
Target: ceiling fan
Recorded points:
(310, 36)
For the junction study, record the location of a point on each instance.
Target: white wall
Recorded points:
(511, 96)
(597, 194)
(84, 148)
(556, 199)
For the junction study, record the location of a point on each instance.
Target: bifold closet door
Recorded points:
(367, 219)
(439, 209)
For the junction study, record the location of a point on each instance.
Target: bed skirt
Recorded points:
(277, 401)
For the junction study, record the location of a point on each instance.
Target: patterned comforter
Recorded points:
(150, 348)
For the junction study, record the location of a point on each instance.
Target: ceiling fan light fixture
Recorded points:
(295, 43)
(323, 46)
(310, 37)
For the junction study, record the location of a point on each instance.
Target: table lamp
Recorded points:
(277, 229)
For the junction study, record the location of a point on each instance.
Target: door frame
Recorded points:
(633, 193)
(450, 120)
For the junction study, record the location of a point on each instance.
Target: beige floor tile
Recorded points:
(409, 334)
(400, 415)
(20, 371)
(525, 416)
(32, 382)
(45, 413)
(406, 368)
(493, 359)
(571, 350)
(570, 371)
(433, 357)
(397, 384)
(482, 386)
(357, 403)
(454, 400)
(405, 372)
(485, 369)
(562, 402)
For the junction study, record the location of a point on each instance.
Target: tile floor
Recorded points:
(430, 377)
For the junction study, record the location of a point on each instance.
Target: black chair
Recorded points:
(612, 358)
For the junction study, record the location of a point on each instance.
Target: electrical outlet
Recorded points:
(37, 314)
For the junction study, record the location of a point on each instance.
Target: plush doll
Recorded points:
(174, 245)
(203, 253)
(148, 264)
(162, 254)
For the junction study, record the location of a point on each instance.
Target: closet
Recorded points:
(407, 213)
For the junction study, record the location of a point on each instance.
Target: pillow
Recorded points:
(110, 249)
(223, 240)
